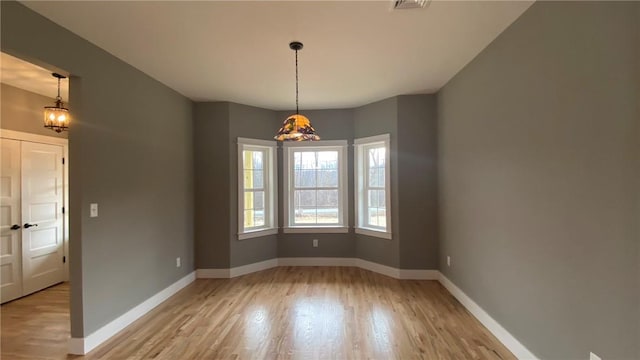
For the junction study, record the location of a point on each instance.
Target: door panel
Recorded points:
(42, 201)
(10, 241)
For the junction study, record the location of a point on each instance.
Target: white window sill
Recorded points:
(316, 230)
(375, 233)
(257, 233)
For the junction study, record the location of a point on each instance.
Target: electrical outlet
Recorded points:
(93, 210)
(448, 260)
(178, 263)
(593, 356)
(315, 242)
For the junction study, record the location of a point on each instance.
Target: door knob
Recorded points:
(15, 227)
(27, 225)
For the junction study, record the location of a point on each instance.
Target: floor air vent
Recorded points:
(410, 4)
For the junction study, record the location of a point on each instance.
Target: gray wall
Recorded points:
(410, 120)
(131, 151)
(417, 192)
(255, 123)
(539, 172)
(375, 119)
(329, 125)
(212, 203)
(21, 110)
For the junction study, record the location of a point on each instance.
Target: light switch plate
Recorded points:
(93, 210)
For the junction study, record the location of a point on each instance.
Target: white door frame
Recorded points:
(23, 136)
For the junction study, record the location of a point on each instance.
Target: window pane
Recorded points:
(313, 170)
(252, 159)
(253, 179)
(328, 178)
(372, 198)
(382, 218)
(373, 216)
(258, 179)
(304, 215)
(304, 198)
(256, 170)
(258, 200)
(304, 178)
(258, 217)
(376, 157)
(376, 198)
(376, 177)
(248, 200)
(327, 160)
(297, 160)
(328, 215)
(372, 158)
(257, 159)
(327, 198)
(248, 218)
(381, 199)
(304, 160)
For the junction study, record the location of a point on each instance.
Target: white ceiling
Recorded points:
(30, 77)
(355, 52)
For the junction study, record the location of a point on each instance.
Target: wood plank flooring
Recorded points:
(281, 313)
(36, 326)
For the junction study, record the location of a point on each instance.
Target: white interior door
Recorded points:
(42, 219)
(10, 224)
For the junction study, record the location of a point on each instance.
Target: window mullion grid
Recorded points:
(366, 170)
(297, 166)
(264, 204)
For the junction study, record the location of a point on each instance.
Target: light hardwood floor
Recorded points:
(281, 313)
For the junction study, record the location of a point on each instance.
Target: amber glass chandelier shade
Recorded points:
(57, 117)
(297, 128)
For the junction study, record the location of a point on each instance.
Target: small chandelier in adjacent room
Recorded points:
(296, 127)
(57, 117)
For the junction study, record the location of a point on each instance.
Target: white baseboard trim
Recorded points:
(81, 346)
(316, 261)
(411, 274)
(251, 268)
(378, 268)
(213, 273)
(403, 274)
(508, 340)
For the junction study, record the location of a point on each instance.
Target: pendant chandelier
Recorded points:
(296, 127)
(57, 117)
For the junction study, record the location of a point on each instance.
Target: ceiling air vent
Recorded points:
(410, 4)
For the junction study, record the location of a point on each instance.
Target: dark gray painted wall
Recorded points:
(417, 192)
(254, 123)
(538, 149)
(330, 125)
(212, 203)
(22, 111)
(131, 152)
(375, 119)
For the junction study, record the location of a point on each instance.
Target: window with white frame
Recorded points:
(257, 202)
(373, 215)
(315, 186)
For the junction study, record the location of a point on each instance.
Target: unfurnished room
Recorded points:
(388, 179)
